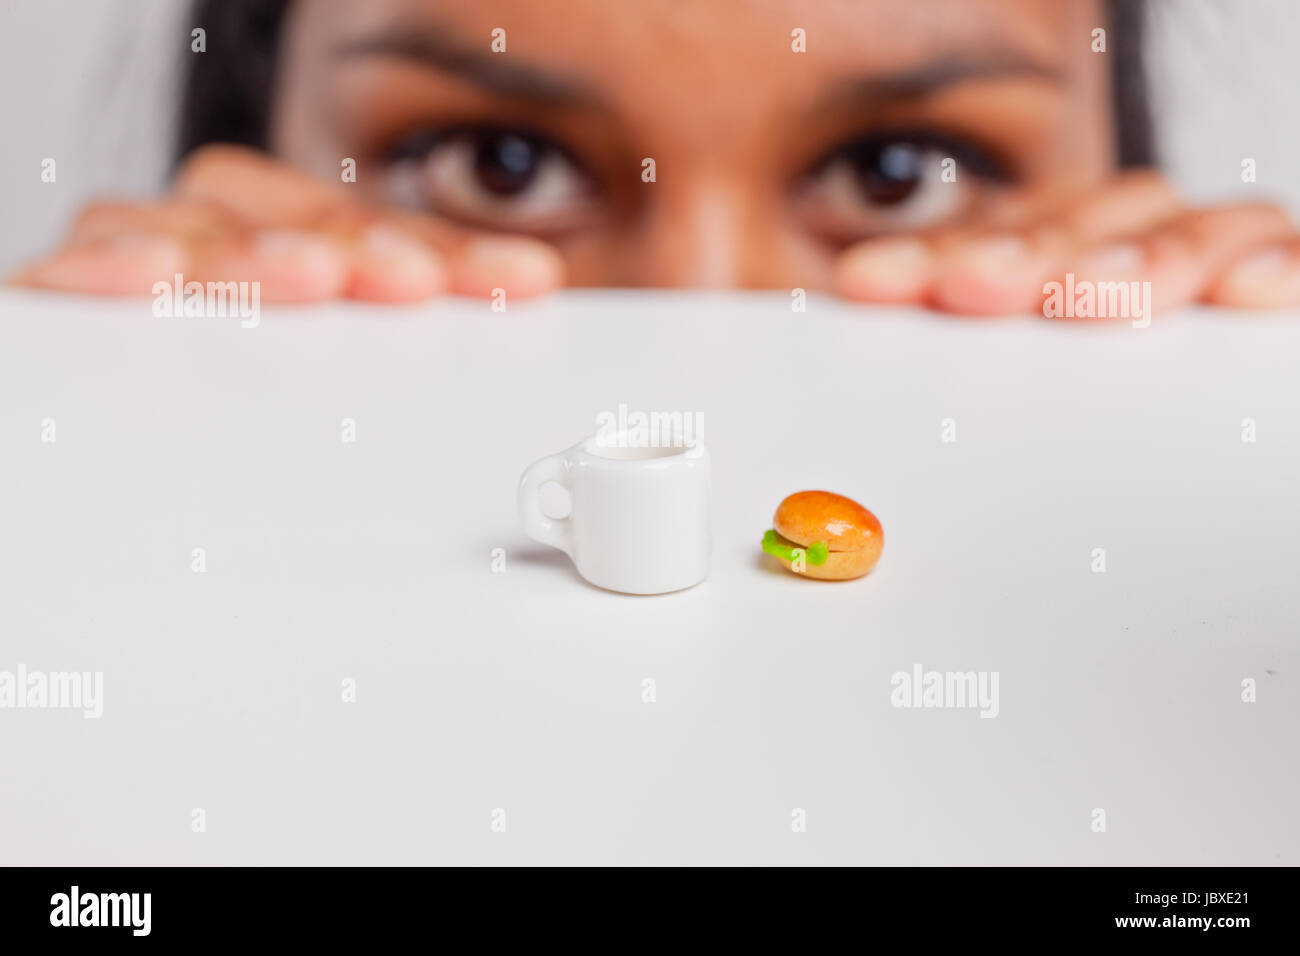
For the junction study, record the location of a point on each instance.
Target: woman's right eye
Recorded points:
(501, 179)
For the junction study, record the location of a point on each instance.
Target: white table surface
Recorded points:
(522, 691)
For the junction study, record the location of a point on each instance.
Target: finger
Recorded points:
(1182, 257)
(388, 268)
(518, 266)
(1267, 279)
(893, 270)
(123, 248)
(128, 264)
(475, 263)
(239, 216)
(256, 188)
(287, 266)
(266, 192)
(389, 264)
(1125, 204)
(116, 248)
(983, 270)
(384, 263)
(184, 220)
(1001, 272)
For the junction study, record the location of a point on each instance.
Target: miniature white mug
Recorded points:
(639, 521)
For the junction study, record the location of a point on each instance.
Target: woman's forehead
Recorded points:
(727, 41)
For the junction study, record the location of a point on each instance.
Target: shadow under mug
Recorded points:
(639, 520)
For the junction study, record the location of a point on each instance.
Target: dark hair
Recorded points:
(227, 94)
(228, 89)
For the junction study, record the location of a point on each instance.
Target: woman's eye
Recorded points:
(892, 172)
(489, 179)
(893, 183)
(506, 165)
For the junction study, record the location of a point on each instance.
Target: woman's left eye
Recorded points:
(491, 179)
(896, 182)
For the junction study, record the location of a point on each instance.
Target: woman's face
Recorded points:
(766, 161)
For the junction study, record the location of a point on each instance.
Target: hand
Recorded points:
(1132, 228)
(236, 215)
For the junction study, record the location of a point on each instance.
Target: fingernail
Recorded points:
(885, 269)
(291, 266)
(995, 275)
(519, 265)
(1117, 259)
(393, 266)
(990, 257)
(127, 264)
(299, 248)
(144, 246)
(1266, 280)
(395, 252)
(520, 255)
(387, 241)
(1263, 265)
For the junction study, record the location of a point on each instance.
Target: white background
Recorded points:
(523, 691)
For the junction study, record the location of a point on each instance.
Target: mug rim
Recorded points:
(692, 452)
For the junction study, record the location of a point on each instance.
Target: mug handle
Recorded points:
(557, 532)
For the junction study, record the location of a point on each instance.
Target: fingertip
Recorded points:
(519, 266)
(290, 267)
(887, 271)
(126, 265)
(1111, 264)
(996, 275)
(391, 266)
(1269, 279)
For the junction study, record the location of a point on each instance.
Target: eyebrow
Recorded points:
(940, 73)
(490, 72)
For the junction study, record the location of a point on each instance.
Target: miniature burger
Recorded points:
(823, 535)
